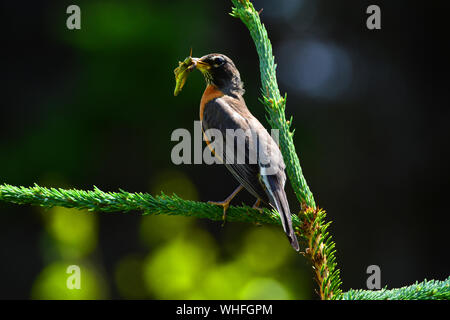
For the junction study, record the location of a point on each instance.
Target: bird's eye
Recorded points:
(218, 61)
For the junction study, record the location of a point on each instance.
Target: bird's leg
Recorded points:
(256, 205)
(226, 203)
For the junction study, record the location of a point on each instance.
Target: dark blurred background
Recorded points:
(95, 107)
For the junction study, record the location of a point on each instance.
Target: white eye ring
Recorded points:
(218, 61)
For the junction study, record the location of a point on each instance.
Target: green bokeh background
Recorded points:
(108, 122)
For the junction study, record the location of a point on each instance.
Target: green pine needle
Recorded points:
(426, 290)
(122, 201)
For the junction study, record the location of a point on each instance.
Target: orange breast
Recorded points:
(211, 92)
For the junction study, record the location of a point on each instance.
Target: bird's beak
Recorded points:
(200, 65)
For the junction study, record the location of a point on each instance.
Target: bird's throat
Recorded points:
(211, 92)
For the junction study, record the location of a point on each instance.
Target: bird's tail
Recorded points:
(279, 200)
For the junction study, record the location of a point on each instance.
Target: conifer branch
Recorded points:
(275, 104)
(143, 203)
(319, 246)
(426, 290)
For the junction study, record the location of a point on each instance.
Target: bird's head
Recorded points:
(220, 71)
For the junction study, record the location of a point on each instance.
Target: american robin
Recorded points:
(222, 107)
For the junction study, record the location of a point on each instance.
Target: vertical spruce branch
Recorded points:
(319, 246)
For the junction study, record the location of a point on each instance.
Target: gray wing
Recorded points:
(262, 172)
(239, 154)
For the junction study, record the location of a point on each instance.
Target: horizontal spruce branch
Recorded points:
(97, 200)
(425, 290)
(143, 203)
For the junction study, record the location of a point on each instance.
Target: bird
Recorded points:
(222, 107)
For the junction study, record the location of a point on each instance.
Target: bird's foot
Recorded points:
(225, 204)
(257, 207)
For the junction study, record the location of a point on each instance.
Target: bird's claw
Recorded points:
(225, 205)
